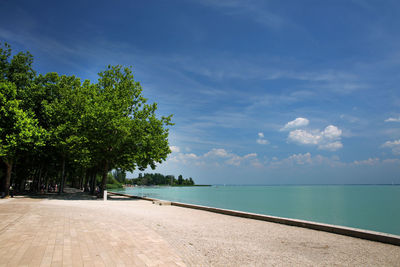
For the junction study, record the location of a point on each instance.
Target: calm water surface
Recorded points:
(371, 207)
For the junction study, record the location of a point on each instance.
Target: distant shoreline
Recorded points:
(196, 185)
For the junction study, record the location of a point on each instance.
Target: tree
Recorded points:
(62, 130)
(180, 179)
(119, 175)
(124, 130)
(18, 129)
(64, 115)
(191, 182)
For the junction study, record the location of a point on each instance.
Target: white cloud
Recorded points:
(393, 119)
(231, 158)
(332, 132)
(251, 155)
(214, 157)
(304, 137)
(297, 123)
(328, 139)
(174, 149)
(391, 161)
(331, 146)
(234, 160)
(394, 145)
(370, 161)
(305, 159)
(217, 152)
(183, 158)
(391, 143)
(237, 160)
(301, 159)
(261, 139)
(262, 142)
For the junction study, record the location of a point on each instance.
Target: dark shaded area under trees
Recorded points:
(59, 130)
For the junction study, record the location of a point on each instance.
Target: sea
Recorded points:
(369, 207)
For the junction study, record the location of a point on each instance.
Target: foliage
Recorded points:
(119, 175)
(58, 129)
(112, 183)
(19, 129)
(159, 179)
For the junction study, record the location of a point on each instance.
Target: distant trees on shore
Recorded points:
(159, 179)
(56, 129)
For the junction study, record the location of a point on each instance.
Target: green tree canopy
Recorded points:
(61, 129)
(19, 129)
(123, 129)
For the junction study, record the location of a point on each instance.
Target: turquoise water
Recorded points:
(370, 207)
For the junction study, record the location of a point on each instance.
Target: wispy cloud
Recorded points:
(394, 145)
(305, 159)
(253, 10)
(393, 119)
(261, 139)
(214, 157)
(174, 149)
(297, 123)
(370, 162)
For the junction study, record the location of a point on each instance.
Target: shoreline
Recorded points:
(336, 229)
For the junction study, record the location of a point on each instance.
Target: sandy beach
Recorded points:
(127, 232)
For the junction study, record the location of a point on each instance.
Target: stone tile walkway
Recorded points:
(48, 232)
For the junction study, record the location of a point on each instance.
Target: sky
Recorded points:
(261, 92)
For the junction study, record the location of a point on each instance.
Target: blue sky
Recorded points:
(262, 92)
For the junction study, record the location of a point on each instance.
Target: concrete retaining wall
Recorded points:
(348, 231)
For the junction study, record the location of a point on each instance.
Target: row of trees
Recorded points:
(58, 129)
(159, 179)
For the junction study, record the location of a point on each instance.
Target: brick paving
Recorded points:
(45, 232)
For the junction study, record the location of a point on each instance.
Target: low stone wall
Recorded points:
(342, 230)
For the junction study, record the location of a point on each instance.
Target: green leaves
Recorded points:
(99, 126)
(19, 129)
(128, 133)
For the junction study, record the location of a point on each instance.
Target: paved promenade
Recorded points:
(76, 230)
(39, 232)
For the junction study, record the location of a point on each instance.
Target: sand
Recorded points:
(200, 238)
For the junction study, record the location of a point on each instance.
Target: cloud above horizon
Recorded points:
(328, 139)
(393, 119)
(174, 149)
(394, 145)
(213, 157)
(370, 162)
(261, 140)
(297, 123)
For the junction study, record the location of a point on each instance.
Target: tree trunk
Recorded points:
(40, 182)
(9, 165)
(86, 183)
(46, 190)
(3, 177)
(81, 178)
(62, 177)
(35, 181)
(93, 183)
(104, 180)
